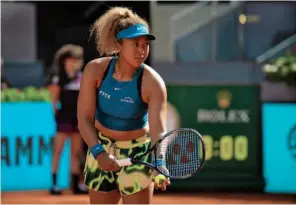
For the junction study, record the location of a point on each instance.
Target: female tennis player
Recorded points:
(116, 96)
(64, 85)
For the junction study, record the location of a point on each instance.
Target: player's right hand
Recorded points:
(107, 162)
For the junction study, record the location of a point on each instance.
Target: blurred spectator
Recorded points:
(64, 85)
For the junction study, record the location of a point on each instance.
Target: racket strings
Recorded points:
(181, 151)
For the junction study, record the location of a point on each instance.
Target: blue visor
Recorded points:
(135, 31)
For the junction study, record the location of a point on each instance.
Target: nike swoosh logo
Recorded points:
(117, 88)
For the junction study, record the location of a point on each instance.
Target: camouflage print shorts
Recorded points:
(129, 180)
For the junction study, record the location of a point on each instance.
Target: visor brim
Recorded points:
(149, 36)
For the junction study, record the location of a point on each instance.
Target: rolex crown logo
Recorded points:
(224, 99)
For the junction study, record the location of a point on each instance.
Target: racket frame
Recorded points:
(153, 149)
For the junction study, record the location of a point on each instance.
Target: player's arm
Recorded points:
(157, 101)
(86, 106)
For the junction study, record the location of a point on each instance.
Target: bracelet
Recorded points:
(96, 150)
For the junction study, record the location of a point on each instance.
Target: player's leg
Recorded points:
(59, 142)
(97, 197)
(141, 197)
(76, 150)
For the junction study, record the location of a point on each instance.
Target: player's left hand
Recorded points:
(160, 181)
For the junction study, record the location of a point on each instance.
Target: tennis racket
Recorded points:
(182, 150)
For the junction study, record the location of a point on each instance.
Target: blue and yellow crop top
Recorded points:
(119, 104)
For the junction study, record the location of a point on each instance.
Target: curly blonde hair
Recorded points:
(109, 24)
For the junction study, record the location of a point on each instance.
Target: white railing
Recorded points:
(192, 8)
(192, 18)
(274, 50)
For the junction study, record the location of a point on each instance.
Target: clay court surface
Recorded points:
(42, 197)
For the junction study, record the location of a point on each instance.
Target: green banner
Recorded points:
(229, 119)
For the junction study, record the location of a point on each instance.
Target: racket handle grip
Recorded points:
(124, 162)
